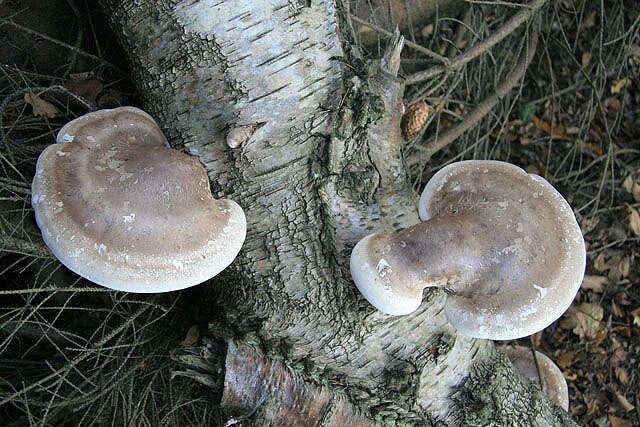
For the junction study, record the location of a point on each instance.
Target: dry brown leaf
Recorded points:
(587, 225)
(573, 130)
(619, 422)
(566, 359)
(636, 316)
(628, 124)
(616, 310)
(40, 106)
(632, 185)
(619, 85)
(427, 31)
(593, 409)
(589, 21)
(594, 283)
(586, 317)
(192, 336)
(595, 149)
(622, 375)
(619, 355)
(86, 86)
(634, 221)
(541, 125)
(600, 263)
(620, 266)
(624, 402)
(612, 104)
(586, 58)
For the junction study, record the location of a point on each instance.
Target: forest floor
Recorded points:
(71, 352)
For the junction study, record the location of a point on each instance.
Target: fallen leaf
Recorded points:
(594, 283)
(636, 316)
(616, 310)
(593, 409)
(588, 224)
(624, 402)
(589, 21)
(600, 263)
(622, 375)
(628, 124)
(622, 330)
(87, 87)
(632, 185)
(634, 221)
(427, 31)
(192, 336)
(619, 422)
(541, 125)
(586, 58)
(573, 130)
(592, 147)
(612, 104)
(620, 266)
(587, 317)
(566, 359)
(40, 106)
(619, 85)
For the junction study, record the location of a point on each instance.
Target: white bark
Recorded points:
(312, 181)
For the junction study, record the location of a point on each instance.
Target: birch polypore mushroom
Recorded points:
(550, 377)
(502, 243)
(117, 206)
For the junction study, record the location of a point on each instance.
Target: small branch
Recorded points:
(14, 245)
(480, 48)
(438, 142)
(412, 45)
(535, 361)
(14, 186)
(39, 91)
(65, 45)
(390, 62)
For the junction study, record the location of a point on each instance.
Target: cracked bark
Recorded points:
(311, 182)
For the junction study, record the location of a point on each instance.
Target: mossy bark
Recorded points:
(321, 170)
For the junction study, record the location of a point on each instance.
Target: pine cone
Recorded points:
(414, 118)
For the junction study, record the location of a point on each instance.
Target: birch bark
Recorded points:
(321, 170)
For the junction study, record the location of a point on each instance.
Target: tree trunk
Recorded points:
(321, 170)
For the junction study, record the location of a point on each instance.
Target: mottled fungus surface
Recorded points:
(503, 244)
(117, 206)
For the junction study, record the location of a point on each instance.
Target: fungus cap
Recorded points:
(503, 244)
(117, 206)
(553, 383)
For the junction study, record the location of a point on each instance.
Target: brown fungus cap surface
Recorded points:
(117, 206)
(502, 243)
(534, 256)
(553, 383)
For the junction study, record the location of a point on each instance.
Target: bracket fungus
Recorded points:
(503, 244)
(117, 206)
(551, 379)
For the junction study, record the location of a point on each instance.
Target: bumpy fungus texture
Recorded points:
(553, 383)
(120, 208)
(502, 243)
